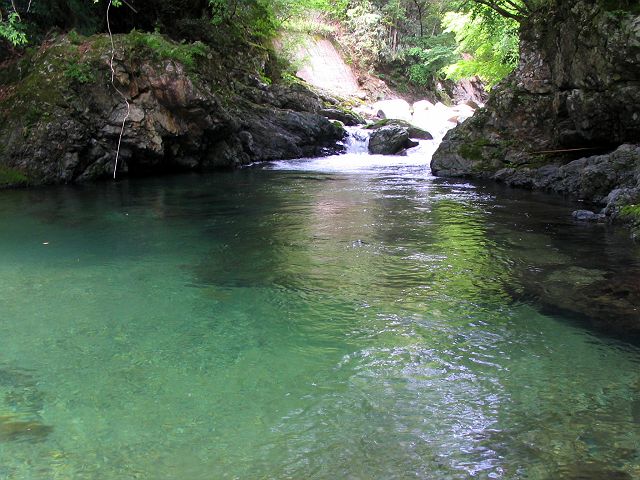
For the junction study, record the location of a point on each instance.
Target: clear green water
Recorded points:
(304, 324)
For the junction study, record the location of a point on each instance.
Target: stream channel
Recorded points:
(348, 317)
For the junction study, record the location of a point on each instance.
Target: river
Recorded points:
(342, 318)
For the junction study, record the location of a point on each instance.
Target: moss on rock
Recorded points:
(11, 177)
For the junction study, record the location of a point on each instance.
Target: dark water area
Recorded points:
(313, 319)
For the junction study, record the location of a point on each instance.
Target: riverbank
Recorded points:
(190, 107)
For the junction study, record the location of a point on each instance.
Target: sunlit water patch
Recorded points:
(319, 321)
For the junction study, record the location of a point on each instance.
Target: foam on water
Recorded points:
(357, 159)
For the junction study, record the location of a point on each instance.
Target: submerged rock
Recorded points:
(610, 303)
(588, 216)
(15, 429)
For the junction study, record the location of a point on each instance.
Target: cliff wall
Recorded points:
(568, 119)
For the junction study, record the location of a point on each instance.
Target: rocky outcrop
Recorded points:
(568, 119)
(347, 117)
(189, 109)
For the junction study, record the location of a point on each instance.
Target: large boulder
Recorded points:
(390, 140)
(412, 130)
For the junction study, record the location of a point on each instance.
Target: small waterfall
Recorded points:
(357, 140)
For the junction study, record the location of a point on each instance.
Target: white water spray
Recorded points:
(357, 140)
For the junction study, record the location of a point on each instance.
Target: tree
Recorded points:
(517, 10)
(488, 46)
(10, 24)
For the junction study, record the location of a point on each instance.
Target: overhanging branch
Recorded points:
(518, 15)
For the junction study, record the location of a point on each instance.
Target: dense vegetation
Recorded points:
(414, 42)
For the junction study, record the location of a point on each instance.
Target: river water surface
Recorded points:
(335, 318)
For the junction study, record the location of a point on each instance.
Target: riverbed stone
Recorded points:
(588, 216)
(347, 117)
(412, 130)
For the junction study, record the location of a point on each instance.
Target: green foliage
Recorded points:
(424, 62)
(11, 29)
(308, 25)
(516, 10)
(366, 41)
(164, 49)
(630, 214)
(79, 72)
(74, 37)
(12, 176)
(488, 46)
(257, 18)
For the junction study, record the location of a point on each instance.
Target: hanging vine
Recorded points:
(113, 74)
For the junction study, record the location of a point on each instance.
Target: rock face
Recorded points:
(576, 93)
(61, 117)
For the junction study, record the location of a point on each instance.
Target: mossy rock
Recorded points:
(347, 117)
(630, 214)
(11, 177)
(474, 150)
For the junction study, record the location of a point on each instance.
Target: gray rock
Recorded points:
(347, 117)
(587, 216)
(414, 132)
(390, 140)
(567, 119)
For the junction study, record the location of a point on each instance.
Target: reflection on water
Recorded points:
(319, 321)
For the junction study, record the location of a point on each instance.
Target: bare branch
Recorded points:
(518, 17)
(113, 74)
(15, 10)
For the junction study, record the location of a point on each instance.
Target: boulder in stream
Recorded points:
(567, 119)
(412, 130)
(390, 140)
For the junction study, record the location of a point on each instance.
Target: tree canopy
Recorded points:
(420, 40)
